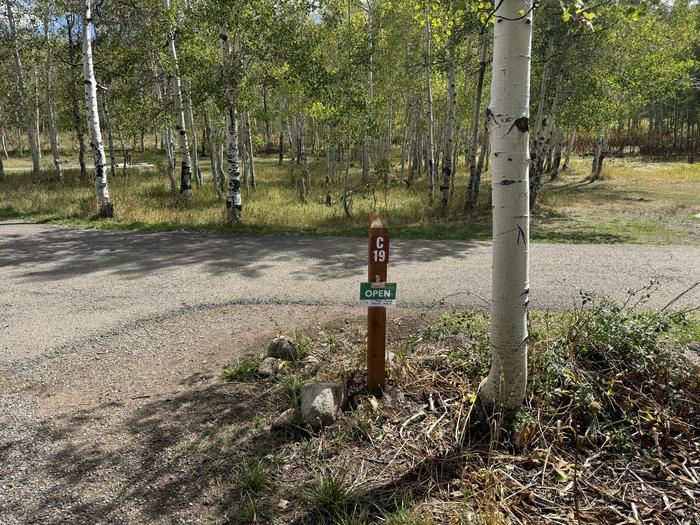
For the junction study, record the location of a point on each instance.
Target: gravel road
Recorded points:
(111, 343)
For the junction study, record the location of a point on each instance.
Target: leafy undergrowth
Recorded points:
(609, 433)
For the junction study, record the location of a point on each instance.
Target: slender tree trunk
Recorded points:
(167, 133)
(49, 100)
(108, 125)
(249, 147)
(4, 143)
(281, 143)
(450, 128)
(601, 150)
(212, 155)
(556, 157)
(474, 173)
(185, 169)
(569, 150)
(367, 142)
(429, 112)
(190, 122)
(504, 388)
(234, 201)
(268, 131)
(122, 145)
(98, 151)
(37, 115)
(24, 106)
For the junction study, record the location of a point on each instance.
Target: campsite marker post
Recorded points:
(377, 294)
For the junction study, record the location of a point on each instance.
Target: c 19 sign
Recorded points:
(379, 249)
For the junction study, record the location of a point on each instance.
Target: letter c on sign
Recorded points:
(379, 243)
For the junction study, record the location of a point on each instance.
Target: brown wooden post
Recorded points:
(376, 315)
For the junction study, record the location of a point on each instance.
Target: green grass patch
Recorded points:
(635, 203)
(244, 369)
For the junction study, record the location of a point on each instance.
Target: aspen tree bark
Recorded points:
(108, 125)
(190, 123)
(556, 155)
(185, 169)
(281, 143)
(234, 201)
(249, 147)
(2, 170)
(474, 173)
(166, 136)
(213, 157)
(35, 97)
(542, 142)
(430, 158)
(93, 116)
(366, 139)
(24, 106)
(49, 100)
(73, 89)
(508, 118)
(268, 131)
(450, 128)
(4, 143)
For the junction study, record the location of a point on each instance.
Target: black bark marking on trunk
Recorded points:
(521, 235)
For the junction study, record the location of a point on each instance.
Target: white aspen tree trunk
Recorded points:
(23, 97)
(243, 152)
(556, 153)
(429, 110)
(73, 89)
(213, 157)
(93, 116)
(450, 128)
(508, 118)
(166, 134)
(281, 143)
(249, 147)
(185, 161)
(108, 125)
(49, 100)
(539, 146)
(4, 143)
(366, 139)
(234, 201)
(37, 114)
(389, 139)
(190, 123)
(543, 142)
(474, 173)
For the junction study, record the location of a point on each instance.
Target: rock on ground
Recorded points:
(321, 402)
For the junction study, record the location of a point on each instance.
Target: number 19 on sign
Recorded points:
(379, 251)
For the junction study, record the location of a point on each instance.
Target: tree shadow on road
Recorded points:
(58, 253)
(141, 466)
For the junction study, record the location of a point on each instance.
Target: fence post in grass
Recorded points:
(376, 315)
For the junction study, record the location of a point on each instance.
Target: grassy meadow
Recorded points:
(636, 202)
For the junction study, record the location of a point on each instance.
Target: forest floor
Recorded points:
(637, 201)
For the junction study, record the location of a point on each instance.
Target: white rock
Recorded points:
(321, 402)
